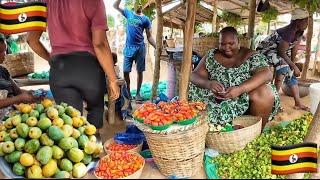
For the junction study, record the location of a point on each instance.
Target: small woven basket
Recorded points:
(19, 64)
(179, 153)
(135, 175)
(229, 142)
(108, 142)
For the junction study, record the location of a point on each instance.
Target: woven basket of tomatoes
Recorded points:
(158, 120)
(120, 165)
(144, 111)
(111, 146)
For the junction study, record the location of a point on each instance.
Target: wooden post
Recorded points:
(316, 56)
(268, 30)
(252, 16)
(187, 49)
(215, 14)
(156, 74)
(308, 51)
(313, 135)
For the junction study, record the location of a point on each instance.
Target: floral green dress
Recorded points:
(226, 111)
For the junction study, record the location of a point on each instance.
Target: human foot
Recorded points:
(301, 107)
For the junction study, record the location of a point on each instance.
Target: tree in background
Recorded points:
(111, 22)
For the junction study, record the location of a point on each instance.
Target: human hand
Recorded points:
(296, 71)
(216, 87)
(27, 97)
(233, 92)
(114, 90)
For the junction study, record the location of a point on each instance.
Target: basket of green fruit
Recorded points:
(232, 138)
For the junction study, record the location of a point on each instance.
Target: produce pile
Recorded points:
(119, 165)
(39, 75)
(164, 114)
(120, 147)
(48, 140)
(224, 128)
(255, 160)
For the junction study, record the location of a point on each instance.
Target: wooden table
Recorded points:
(25, 81)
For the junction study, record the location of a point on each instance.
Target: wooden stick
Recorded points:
(308, 50)
(252, 16)
(156, 73)
(187, 49)
(215, 14)
(316, 56)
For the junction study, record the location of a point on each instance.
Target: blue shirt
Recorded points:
(135, 27)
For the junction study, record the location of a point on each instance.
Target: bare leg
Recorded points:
(127, 79)
(298, 104)
(261, 103)
(278, 81)
(139, 80)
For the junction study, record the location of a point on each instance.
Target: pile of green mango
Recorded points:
(48, 140)
(255, 160)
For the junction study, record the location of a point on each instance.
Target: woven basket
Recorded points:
(179, 153)
(19, 64)
(229, 142)
(106, 144)
(135, 175)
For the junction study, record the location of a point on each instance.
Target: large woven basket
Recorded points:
(179, 153)
(229, 142)
(19, 64)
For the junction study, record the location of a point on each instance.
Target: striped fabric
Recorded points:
(23, 17)
(299, 158)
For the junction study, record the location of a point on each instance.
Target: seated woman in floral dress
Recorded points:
(234, 81)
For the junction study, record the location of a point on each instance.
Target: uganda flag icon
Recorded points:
(298, 158)
(23, 18)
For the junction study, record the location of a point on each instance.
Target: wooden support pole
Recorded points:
(252, 16)
(308, 48)
(156, 74)
(313, 136)
(214, 17)
(316, 56)
(187, 49)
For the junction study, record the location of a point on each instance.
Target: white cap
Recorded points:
(299, 14)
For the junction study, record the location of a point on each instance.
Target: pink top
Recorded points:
(70, 24)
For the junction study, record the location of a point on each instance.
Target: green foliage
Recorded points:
(314, 4)
(269, 15)
(198, 28)
(254, 162)
(231, 19)
(148, 11)
(110, 21)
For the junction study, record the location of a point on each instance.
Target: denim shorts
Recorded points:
(289, 81)
(135, 54)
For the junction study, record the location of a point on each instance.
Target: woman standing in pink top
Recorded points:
(80, 56)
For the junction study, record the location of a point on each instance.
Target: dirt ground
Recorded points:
(109, 130)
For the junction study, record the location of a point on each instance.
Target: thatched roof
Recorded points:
(176, 16)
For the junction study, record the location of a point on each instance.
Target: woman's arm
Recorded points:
(200, 78)
(104, 56)
(260, 77)
(33, 40)
(24, 97)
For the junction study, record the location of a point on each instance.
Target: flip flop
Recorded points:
(304, 108)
